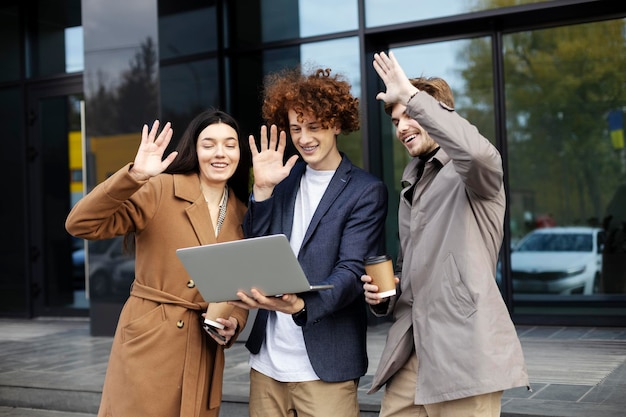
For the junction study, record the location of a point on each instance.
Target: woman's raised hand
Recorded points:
(149, 159)
(267, 162)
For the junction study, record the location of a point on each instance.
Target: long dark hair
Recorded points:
(187, 159)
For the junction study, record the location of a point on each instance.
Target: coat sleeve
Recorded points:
(475, 159)
(258, 218)
(112, 208)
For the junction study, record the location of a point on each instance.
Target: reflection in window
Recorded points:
(313, 23)
(340, 55)
(561, 85)
(188, 89)
(298, 19)
(557, 242)
(387, 12)
(74, 51)
(558, 260)
(186, 28)
(55, 44)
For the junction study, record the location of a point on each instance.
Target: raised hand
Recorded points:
(399, 88)
(149, 159)
(267, 163)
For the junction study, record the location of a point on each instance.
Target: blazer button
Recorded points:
(191, 284)
(180, 324)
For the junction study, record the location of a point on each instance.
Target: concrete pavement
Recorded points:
(53, 367)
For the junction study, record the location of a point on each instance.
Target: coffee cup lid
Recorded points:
(370, 260)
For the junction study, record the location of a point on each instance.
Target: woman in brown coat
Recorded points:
(162, 362)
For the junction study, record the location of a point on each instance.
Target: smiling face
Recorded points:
(317, 145)
(410, 133)
(218, 153)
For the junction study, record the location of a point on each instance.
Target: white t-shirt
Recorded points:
(283, 356)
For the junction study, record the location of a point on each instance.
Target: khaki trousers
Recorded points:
(398, 399)
(271, 398)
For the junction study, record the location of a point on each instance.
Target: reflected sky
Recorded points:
(341, 16)
(74, 58)
(340, 55)
(387, 12)
(114, 30)
(434, 60)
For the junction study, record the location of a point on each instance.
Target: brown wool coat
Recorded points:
(161, 363)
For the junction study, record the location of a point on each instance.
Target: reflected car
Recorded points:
(111, 270)
(558, 260)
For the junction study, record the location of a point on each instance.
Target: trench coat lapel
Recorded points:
(187, 187)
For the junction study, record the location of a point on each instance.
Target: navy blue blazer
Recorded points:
(347, 226)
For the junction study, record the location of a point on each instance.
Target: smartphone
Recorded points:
(212, 330)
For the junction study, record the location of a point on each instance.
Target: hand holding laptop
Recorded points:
(222, 270)
(285, 303)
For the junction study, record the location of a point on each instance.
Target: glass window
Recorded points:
(74, 51)
(13, 292)
(186, 28)
(319, 17)
(280, 20)
(121, 66)
(567, 166)
(388, 12)
(9, 43)
(51, 46)
(186, 90)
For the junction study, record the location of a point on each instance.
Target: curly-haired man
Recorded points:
(308, 350)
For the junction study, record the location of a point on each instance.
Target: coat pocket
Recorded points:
(145, 324)
(460, 296)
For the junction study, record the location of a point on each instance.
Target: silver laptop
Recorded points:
(220, 270)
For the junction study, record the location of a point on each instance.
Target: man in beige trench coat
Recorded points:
(452, 348)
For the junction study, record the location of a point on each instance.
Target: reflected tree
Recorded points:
(135, 101)
(560, 85)
(138, 94)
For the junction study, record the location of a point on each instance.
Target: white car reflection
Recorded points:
(558, 260)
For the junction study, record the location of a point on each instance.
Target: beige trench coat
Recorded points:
(161, 363)
(449, 307)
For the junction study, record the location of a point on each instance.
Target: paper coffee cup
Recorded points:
(218, 310)
(380, 268)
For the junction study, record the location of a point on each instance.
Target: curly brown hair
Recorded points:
(319, 93)
(434, 86)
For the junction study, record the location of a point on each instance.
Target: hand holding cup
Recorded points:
(215, 311)
(380, 270)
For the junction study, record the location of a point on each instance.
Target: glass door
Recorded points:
(55, 173)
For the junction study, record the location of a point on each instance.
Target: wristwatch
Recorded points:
(300, 317)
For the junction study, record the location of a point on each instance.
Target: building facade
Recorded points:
(545, 81)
